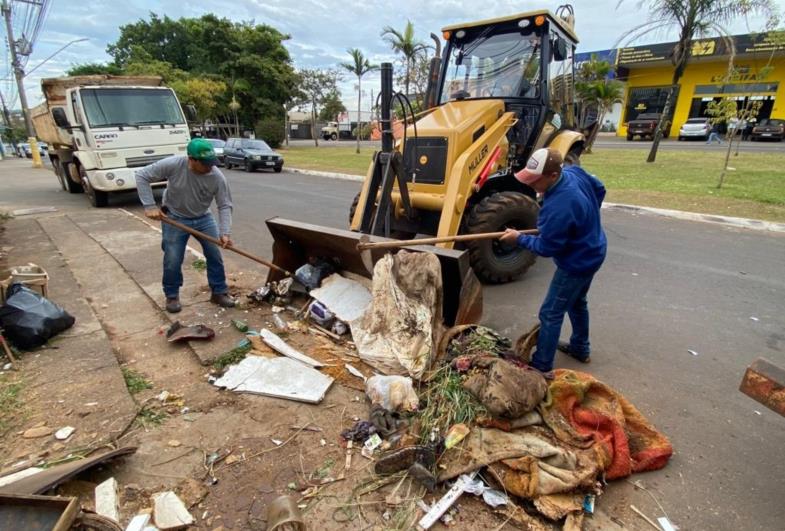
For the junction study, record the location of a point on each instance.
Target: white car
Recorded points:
(218, 147)
(695, 128)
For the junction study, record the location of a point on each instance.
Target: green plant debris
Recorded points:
(446, 403)
(135, 382)
(5, 216)
(478, 340)
(199, 264)
(324, 470)
(236, 355)
(10, 403)
(149, 418)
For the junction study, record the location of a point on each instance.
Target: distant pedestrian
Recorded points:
(715, 134)
(571, 233)
(193, 182)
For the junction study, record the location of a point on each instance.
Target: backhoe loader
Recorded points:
(501, 89)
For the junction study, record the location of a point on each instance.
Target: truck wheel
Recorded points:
(333, 136)
(629, 138)
(97, 198)
(69, 171)
(493, 261)
(395, 234)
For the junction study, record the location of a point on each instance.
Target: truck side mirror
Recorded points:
(190, 112)
(58, 113)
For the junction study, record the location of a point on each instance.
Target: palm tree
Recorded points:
(359, 67)
(691, 18)
(407, 45)
(596, 90)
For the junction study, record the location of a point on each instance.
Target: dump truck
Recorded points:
(501, 89)
(101, 128)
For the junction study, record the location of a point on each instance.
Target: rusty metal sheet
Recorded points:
(295, 241)
(764, 382)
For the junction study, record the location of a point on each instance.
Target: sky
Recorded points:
(320, 30)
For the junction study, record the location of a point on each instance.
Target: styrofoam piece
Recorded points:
(140, 522)
(276, 377)
(106, 503)
(170, 511)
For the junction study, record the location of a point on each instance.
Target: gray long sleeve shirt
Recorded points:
(187, 194)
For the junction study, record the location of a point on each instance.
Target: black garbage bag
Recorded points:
(29, 319)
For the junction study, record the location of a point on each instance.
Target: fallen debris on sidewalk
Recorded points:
(179, 332)
(276, 377)
(170, 512)
(29, 319)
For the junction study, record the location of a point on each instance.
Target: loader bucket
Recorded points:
(294, 242)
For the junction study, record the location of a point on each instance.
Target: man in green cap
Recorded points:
(192, 184)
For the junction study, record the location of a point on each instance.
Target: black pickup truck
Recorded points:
(644, 126)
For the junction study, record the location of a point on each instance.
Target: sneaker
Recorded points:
(173, 304)
(565, 347)
(223, 300)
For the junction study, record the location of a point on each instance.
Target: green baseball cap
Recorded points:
(202, 150)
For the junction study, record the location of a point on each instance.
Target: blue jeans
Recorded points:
(567, 294)
(714, 136)
(173, 244)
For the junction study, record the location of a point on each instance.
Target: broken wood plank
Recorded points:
(281, 346)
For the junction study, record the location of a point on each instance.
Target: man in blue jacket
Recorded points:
(571, 233)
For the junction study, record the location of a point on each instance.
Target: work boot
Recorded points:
(173, 304)
(565, 347)
(223, 300)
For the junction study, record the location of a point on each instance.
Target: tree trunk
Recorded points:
(359, 99)
(313, 124)
(727, 158)
(406, 81)
(666, 111)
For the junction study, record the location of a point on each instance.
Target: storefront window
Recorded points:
(646, 100)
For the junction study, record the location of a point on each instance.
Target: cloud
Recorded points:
(320, 30)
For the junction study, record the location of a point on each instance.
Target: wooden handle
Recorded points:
(216, 241)
(441, 239)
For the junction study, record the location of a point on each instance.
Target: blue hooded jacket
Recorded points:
(569, 223)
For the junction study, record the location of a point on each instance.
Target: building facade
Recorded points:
(758, 74)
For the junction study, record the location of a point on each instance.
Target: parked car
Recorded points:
(218, 147)
(769, 129)
(251, 155)
(644, 126)
(695, 128)
(28, 152)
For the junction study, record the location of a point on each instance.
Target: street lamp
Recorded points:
(63, 47)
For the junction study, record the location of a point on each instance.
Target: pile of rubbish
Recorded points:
(459, 408)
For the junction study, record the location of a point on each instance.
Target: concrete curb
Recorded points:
(745, 223)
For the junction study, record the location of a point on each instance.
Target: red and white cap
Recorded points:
(544, 161)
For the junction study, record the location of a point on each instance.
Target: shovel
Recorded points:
(203, 236)
(365, 245)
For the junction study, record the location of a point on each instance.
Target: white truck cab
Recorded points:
(101, 133)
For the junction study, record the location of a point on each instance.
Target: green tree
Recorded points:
(596, 92)
(201, 92)
(212, 46)
(359, 66)
(332, 106)
(90, 69)
(316, 86)
(405, 43)
(691, 19)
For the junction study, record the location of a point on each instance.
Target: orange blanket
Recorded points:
(579, 409)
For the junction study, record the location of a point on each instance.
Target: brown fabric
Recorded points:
(557, 506)
(528, 461)
(506, 390)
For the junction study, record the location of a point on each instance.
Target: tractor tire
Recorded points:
(70, 185)
(395, 234)
(492, 261)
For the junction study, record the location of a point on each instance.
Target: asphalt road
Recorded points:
(609, 142)
(667, 287)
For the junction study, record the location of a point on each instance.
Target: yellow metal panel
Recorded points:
(528, 14)
(565, 140)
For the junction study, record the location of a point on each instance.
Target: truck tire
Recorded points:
(59, 172)
(72, 186)
(334, 136)
(492, 261)
(97, 198)
(395, 234)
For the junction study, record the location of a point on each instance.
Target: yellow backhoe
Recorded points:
(501, 89)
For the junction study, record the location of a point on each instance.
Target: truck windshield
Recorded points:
(106, 107)
(493, 65)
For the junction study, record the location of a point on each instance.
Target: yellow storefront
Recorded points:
(648, 73)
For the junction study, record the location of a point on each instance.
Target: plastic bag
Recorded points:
(393, 393)
(29, 319)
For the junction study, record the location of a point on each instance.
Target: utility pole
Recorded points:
(20, 77)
